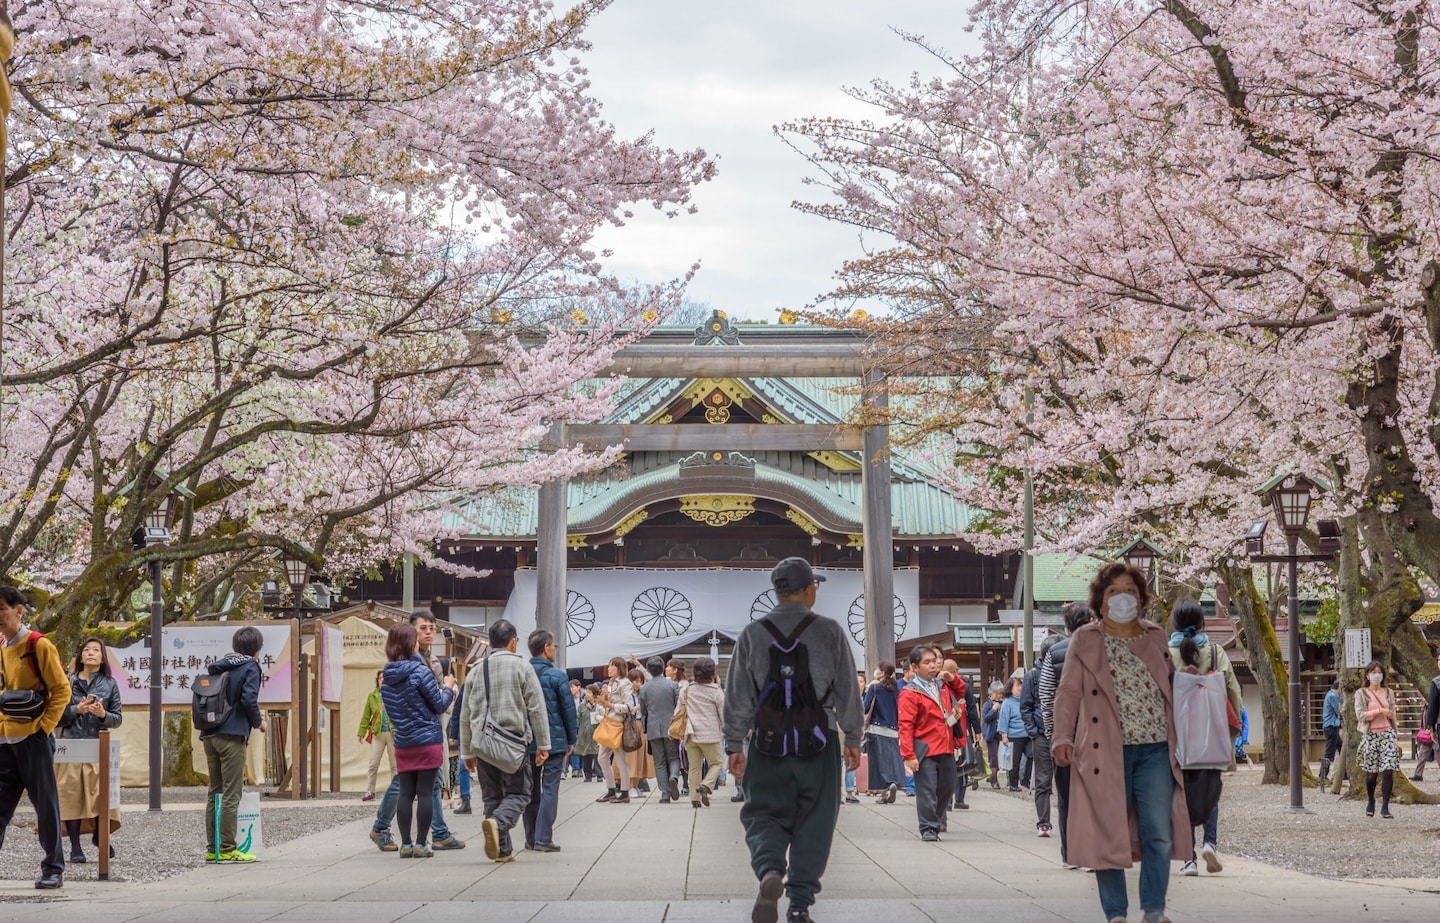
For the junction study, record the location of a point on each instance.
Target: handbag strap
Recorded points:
(485, 672)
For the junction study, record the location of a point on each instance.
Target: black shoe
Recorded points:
(739, 794)
(767, 902)
(674, 789)
(961, 806)
(50, 882)
(464, 807)
(798, 915)
(891, 792)
(622, 798)
(77, 855)
(545, 847)
(704, 793)
(1014, 788)
(1415, 778)
(610, 795)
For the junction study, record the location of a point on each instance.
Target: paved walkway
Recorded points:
(654, 863)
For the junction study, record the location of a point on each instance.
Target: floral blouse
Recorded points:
(1139, 701)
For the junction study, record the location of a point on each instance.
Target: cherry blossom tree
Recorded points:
(1201, 237)
(312, 261)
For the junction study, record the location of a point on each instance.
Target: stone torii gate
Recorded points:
(715, 351)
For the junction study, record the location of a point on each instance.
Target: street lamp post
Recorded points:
(155, 532)
(297, 572)
(1289, 495)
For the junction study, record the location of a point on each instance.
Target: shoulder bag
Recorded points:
(610, 732)
(501, 748)
(682, 716)
(632, 736)
(27, 704)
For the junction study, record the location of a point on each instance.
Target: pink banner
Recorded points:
(189, 649)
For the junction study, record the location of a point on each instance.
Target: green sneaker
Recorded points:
(210, 856)
(236, 855)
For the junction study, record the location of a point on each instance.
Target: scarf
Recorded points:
(1199, 637)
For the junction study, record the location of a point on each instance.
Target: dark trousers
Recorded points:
(1044, 774)
(544, 800)
(587, 766)
(934, 787)
(666, 753)
(1062, 806)
(992, 750)
(29, 767)
(505, 796)
(1332, 742)
(1019, 761)
(791, 805)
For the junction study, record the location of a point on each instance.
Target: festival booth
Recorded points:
(363, 629)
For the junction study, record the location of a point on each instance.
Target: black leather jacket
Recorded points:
(75, 724)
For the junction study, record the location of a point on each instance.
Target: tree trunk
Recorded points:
(1381, 596)
(1267, 664)
(177, 762)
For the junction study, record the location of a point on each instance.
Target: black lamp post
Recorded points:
(297, 573)
(1289, 495)
(156, 531)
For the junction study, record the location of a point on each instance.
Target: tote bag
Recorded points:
(1202, 735)
(610, 733)
(676, 731)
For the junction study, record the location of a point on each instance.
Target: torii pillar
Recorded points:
(550, 554)
(879, 532)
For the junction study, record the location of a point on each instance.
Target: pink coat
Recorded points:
(1087, 718)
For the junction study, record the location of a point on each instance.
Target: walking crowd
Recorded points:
(1103, 723)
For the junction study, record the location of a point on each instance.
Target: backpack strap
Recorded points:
(786, 641)
(35, 661)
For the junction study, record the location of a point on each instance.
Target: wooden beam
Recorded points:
(747, 437)
(649, 360)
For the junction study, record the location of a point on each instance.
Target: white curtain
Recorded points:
(622, 611)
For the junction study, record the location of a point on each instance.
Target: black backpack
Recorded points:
(789, 717)
(210, 703)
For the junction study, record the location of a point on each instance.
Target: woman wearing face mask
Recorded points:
(1379, 747)
(1115, 728)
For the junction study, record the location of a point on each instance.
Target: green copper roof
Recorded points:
(921, 509)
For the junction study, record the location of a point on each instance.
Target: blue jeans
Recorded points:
(1212, 824)
(463, 780)
(391, 800)
(1149, 785)
(539, 816)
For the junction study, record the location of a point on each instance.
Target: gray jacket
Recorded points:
(832, 668)
(518, 703)
(658, 699)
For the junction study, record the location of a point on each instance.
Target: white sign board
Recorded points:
(189, 649)
(87, 750)
(1357, 648)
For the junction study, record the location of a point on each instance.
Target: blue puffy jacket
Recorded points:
(414, 702)
(242, 690)
(559, 705)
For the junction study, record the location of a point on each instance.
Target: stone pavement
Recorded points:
(654, 863)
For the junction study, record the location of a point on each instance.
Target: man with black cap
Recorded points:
(792, 801)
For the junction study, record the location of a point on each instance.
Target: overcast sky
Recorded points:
(719, 76)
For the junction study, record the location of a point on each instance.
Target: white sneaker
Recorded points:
(1212, 859)
(636, 793)
(1188, 869)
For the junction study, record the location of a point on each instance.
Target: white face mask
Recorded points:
(1123, 607)
(1377, 678)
